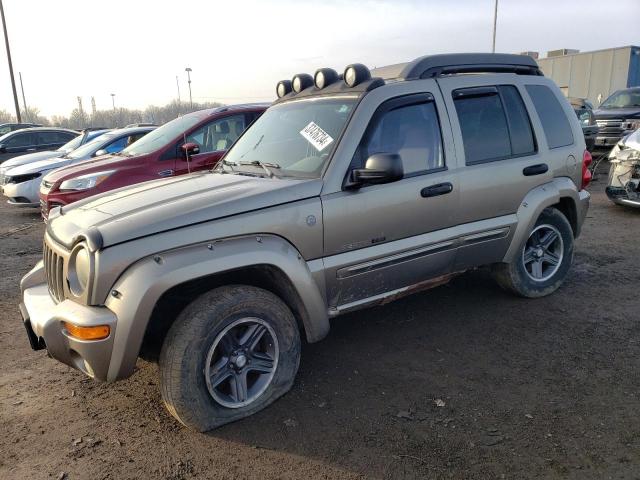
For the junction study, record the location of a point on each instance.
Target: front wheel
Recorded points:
(543, 260)
(230, 353)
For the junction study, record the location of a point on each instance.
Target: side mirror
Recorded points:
(189, 149)
(3, 148)
(379, 168)
(100, 152)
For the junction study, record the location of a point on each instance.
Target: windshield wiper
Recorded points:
(265, 165)
(228, 163)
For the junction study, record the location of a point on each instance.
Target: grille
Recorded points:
(610, 122)
(610, 125)
(53, 270)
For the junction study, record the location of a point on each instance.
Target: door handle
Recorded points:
(435, 190)
(165, 173)
(535, 169)
(31, 149)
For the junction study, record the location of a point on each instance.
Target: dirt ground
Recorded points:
(463, 381)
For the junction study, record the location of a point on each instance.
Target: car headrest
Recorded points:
(222, 127)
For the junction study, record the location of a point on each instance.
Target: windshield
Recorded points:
(622, 99)
(89, 148)
(296, 137)
(162, 135)
(72, 145)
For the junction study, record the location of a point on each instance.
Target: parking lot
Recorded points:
(464, 381)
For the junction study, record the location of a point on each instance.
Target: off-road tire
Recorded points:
(184, 351)
(513, 277)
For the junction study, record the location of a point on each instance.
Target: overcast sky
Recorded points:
(239, 49)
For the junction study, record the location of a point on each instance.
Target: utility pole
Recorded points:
(93, 105)
(113, 101)
(24, 101)
(495, 21)
(178, 85)
(188, 70)
(13, 81)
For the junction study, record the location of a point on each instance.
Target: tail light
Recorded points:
(586, 173)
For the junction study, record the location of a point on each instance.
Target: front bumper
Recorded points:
(43, 319)
(24, 194)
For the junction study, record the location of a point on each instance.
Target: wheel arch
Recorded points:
(266, 261)
(560, 193)
(175, 299)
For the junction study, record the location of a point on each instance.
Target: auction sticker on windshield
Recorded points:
(316, 136)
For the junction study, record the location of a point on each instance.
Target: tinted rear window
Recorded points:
(484, 128)
(521, 135)
(494, 123)
(554, 121)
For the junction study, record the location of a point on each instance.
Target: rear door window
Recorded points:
(555, 124)
(494, 123)
(50, 138)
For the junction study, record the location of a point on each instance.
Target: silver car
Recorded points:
(349, 192)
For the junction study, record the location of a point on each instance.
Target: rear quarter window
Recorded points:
(555, 124)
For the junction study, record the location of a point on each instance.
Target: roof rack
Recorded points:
(448, 64)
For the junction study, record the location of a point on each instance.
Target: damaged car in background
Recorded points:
(624, 174)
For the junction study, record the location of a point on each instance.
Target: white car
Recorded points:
(21, 184)
(84, 137)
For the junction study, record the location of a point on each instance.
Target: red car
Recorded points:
(195, 141)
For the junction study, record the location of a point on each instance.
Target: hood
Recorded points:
(603, 113)
(41, 166)
(30, 157)
(165, 204)
(81, 167)
(632, 141)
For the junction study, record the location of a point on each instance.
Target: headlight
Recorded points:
(79, 270)
(84, 182)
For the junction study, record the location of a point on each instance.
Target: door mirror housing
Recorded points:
(3, 148)
(100, 152)
(190, 148)
(379, 168)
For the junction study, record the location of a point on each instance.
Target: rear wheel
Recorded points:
(544, 259)
(230, 353)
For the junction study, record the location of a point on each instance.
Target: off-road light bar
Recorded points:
(283, 87)
(355, 74)
(301, 81)
(324, 77)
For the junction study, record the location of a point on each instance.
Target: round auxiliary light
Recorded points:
(324, 77)
(355, 74)
(283, 87)
(301, 81)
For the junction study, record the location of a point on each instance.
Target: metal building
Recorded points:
(593, 75)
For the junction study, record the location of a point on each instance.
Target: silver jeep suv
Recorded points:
(350, 191)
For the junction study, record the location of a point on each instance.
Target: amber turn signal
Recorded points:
(87, 333)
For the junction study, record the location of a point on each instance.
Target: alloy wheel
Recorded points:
(543, 253)
(241, 362)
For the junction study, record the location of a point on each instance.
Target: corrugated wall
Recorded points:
(594, 75)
